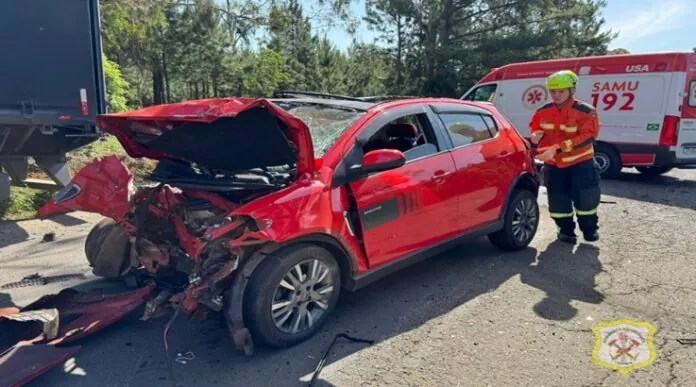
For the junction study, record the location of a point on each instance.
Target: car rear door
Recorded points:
(411, 208)
(485, 163)
(686, 140)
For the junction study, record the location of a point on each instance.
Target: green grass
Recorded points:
(25, 202)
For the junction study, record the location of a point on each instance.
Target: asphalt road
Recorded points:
(470, 317)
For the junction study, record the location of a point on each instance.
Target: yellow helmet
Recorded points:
(564, 79)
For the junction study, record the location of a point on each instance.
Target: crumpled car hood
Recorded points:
(219, 133)
(31, 339)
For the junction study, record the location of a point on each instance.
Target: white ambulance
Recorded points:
(646, 105)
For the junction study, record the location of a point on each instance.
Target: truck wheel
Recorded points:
(291, 294)
(521, 223)
(607, 161)
(653, 171)
(108, 249)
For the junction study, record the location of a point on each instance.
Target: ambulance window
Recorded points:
(485, 93)
(490, 122)
(465, 128)
(692, 94)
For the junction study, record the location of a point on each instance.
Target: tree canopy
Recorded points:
(170, 50)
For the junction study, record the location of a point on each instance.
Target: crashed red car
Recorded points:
(265, 210)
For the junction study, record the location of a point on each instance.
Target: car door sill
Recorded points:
(399, 264)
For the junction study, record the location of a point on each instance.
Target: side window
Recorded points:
(410, 134)
(490, 122)
(484, 93)
(465, 128)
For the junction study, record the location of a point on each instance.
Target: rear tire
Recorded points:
(653, 171)
(608, 161)
(107, 248)
(521, 223)
(271, 308)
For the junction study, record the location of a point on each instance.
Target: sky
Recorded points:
(643, 25)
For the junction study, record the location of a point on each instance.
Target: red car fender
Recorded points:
(305, 209)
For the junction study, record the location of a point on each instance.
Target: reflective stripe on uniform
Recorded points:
(568, 144)
(561, 214)
(588, 212)
(569, 129)
(547, 126)
(583, 154)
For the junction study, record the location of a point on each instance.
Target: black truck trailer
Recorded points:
(51, 86)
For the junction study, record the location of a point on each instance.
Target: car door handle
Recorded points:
(439, 176)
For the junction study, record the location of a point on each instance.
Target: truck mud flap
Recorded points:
(31, 338)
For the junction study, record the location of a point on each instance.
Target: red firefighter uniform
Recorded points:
(571, 178)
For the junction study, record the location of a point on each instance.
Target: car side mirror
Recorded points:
(382, 160)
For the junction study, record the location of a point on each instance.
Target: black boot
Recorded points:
(591, 236)
(567, 238)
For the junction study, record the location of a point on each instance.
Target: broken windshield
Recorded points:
(326, 123)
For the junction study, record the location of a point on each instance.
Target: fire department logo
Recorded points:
(624, 345)
(534, 96)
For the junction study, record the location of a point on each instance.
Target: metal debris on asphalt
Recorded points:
(322, 361)
(687, 341)
(183, 358)
(49, 237)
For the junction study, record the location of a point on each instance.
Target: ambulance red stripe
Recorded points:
(600, 65)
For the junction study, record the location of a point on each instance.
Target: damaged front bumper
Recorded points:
(31, 339)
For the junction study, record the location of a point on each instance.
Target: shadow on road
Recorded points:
(6, 301)
(384, 310)
(67, 220)
(389, 308)
(564, 275)
(666, 190)
(11, 233)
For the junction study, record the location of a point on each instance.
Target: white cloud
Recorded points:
(660, 16)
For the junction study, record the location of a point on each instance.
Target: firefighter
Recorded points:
(564, 132)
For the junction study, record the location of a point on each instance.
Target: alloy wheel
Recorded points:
(302, 297)
(524, 220)
(602, 160)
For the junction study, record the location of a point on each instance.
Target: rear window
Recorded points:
(465, 128)
(692, 94)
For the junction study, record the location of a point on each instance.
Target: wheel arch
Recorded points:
(234, 308)
(611, 148)
(524, 181)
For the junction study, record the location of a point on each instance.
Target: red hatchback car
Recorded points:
(266, 209)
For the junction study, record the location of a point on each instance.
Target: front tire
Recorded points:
(107, 248)
(291, 294)
(521, 223)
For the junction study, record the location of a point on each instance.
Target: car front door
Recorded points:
(410, 208)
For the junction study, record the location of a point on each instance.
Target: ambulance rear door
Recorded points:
(686, 139)
(630, 99)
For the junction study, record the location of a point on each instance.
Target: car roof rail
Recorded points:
(295, 94)
(386, 98)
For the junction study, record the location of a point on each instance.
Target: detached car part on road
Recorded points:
(266, 209)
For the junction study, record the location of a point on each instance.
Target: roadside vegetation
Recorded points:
(161, 51)
(24, 202)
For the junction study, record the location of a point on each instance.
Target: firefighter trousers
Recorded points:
(575, 187)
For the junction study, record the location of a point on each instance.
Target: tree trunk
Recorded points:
(165, 73)
(157, 86)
